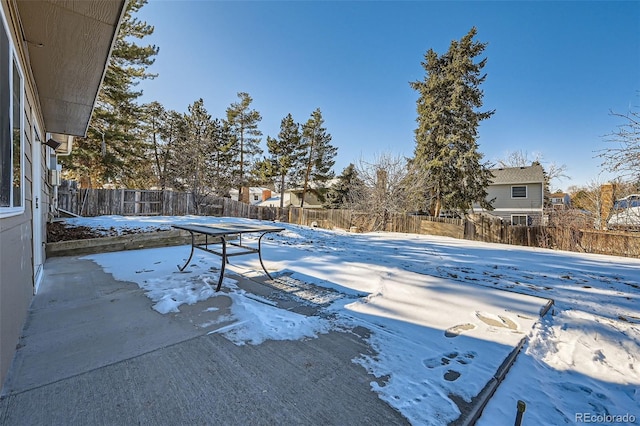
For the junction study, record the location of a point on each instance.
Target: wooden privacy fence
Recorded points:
(481, 228)
(125, 202)
(128, 202)
(135, 202)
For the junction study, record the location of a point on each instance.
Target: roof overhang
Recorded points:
(69, 44)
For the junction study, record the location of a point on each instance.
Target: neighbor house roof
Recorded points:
(558, 195)
(315, 185)
(515, 175)
(628, 217)
(69, 44)
(275, 201)
(252, 190)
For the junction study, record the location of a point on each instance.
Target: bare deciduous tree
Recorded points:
(520, 158)
(592, 199)
(384, 191)
(623, 154)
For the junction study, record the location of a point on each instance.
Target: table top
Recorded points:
(223, 228)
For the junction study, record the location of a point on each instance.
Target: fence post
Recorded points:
(521, 409)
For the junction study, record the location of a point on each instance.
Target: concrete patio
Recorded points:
(94, 352)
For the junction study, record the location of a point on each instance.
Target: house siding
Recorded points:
(18, 252)
(502, 194)
(499, 193)
(531, 206)
(16, 284)
(16, 231)
(310, 200)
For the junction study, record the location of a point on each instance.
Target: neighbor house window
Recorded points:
(520, 220)
(256, 198)
(11, 151)
(518, 192)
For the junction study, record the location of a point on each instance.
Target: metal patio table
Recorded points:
(225, 232)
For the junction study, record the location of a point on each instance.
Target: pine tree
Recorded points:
(172, 132)
(346, 191)
(262, 173)
(243, 124)
(446, 150)
(221, 157)
(114, 149)
(191, 162)
(286, 153)
(152, 123)
(319, 156)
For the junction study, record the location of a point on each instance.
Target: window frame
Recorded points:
(526, 192)
(526, 219)
(14, 63)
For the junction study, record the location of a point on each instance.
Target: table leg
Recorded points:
(193, 242)
(260, 255)
(224, 261)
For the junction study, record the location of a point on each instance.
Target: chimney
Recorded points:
(266, 194)
(606, 195)
(245, 195)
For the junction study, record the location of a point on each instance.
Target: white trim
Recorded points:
(520, 215)
(526, 192)
(37, 202)
(22, 129)
(14, 59)
(519, 209)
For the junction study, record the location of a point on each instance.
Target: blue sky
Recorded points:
(555, 70)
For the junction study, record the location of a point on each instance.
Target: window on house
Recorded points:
(518, 192)
(520, 220)
(256, 198)
(11, 152)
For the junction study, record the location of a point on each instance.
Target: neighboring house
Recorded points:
(632, 200)
(256, 195)
(626, 219)
(626, 214)
(517, 194)
(274, 201)
(311, 200)
(53, 56)
(560, 200)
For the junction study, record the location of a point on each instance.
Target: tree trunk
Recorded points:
(306, 176)
(282, 191)
(241, 163)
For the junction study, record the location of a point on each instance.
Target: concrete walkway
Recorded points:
(94, 352)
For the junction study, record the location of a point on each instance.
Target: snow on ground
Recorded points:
(438, 323)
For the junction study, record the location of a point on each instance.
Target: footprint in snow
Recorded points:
(450, 359)
(497, 320)
(457, 330)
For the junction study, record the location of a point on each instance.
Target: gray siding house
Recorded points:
(518, 195)
(53, 56)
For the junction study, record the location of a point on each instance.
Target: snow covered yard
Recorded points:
(440, 324)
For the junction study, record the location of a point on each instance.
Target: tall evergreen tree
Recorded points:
(243, 123)
(319, 157)
(114, 150)
(346, 191)
(191, 163)
(262, 173)
(448, 118)
(286, 153)
(221, 157)
(172, 132)
(154, 116)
